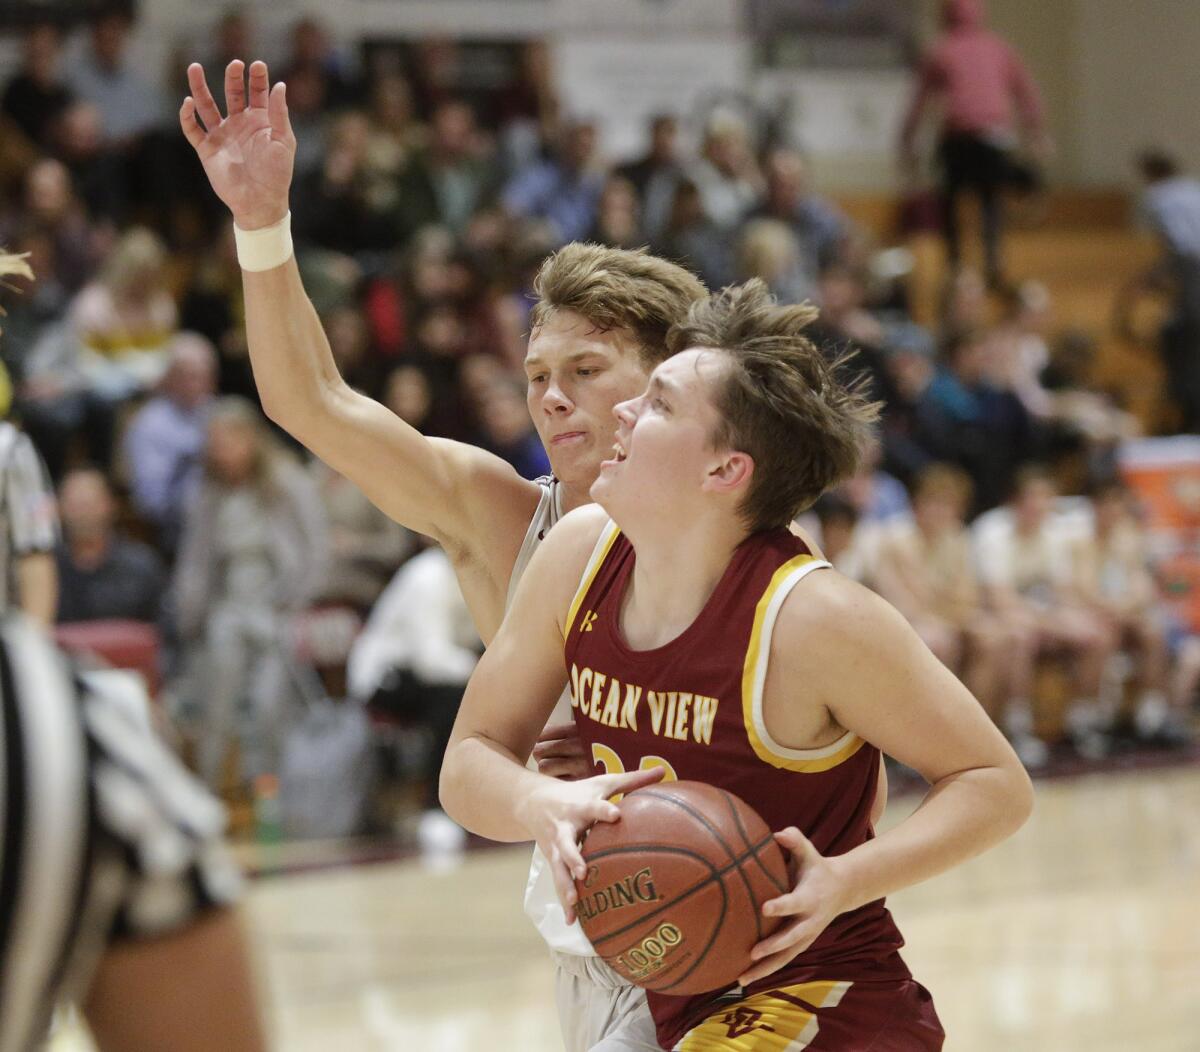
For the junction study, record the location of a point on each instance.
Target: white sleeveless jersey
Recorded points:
(541, 900)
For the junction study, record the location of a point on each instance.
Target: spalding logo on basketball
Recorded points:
(673, 895)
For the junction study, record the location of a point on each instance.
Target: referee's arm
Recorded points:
(33, 525)
(37, 586)
(190, 991)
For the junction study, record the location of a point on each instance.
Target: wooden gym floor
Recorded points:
(1081, 933)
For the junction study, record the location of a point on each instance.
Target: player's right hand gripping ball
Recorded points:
(674, 891)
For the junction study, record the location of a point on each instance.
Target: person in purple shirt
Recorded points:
(982, 86)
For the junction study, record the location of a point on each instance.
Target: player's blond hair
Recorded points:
(780, 400)
(616, 288)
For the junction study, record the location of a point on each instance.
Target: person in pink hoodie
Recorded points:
(987, 100)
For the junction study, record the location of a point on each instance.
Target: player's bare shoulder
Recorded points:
(831, 615)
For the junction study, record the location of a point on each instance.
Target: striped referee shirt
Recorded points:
(103, 835)
(28, 520)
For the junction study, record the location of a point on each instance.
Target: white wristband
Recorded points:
(267, 248)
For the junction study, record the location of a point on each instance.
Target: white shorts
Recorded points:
(598, 1011)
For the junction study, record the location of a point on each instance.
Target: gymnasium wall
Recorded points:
(1116, 75)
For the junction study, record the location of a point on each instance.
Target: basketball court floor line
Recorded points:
(1081, 934)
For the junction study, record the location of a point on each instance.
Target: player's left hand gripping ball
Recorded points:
(820, 894)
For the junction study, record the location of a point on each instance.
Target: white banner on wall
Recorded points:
(622, 81)
(839, 114)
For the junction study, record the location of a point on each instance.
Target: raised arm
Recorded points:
(435, 487)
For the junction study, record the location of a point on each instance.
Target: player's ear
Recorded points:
(733, 471)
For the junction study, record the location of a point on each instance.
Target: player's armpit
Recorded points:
(515, 685)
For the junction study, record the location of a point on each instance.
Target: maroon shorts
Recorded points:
(824, 1016)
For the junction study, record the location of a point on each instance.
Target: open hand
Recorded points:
(560, 753)
(820, 895)
(557, 813)
(248, 154)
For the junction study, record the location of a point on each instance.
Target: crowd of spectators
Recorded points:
(420, 215)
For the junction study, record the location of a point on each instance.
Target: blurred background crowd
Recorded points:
(999, 508)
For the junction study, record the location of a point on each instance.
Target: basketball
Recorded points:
(674, 891)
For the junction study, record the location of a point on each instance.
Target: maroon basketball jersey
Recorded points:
(694, 706)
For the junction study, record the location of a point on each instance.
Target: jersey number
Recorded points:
(612, 764)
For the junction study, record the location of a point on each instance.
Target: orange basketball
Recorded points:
(674, 891)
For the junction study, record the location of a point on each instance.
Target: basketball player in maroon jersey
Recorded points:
(704, 641)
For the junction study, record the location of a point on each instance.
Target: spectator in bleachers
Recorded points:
(365, 546)
(112, 347)
(1185, 677)
(450, 179)
(412, 661)
(1021, 347)
(1026, 558)
(656, 173)
(768, 249)
(1116, 583)
(50, 208)
(308, 111)
(564, 190)
(926, 570)
(130, 105)
(988, 102)
(165, 438)
(233, 39)
(878, 496)
(97, 170)
(408, 393)
(395, 130)
(726, 173)
(313, 50)
(822, 232)
(254, 552)
(37, 95)
(834, 524)
(908, 370)
(527, 113)
(618, 216)
(1080, 405)
(507, 430)
(102, 574)
(213, 305)
(695, 241)
(334, 204)
(50, 226)
(965, 305)
(964, 418)
(1171, 207)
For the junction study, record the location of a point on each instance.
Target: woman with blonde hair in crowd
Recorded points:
(113, 346)
(254, 553)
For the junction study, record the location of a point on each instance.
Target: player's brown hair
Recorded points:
(616, 288)
(780, 400)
